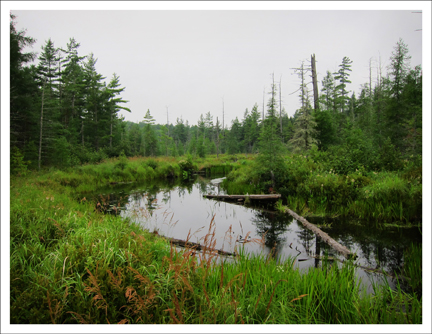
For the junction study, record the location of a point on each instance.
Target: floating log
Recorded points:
(324, 236)
(197, 246)
(237, 197)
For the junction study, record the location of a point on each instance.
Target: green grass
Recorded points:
(72, 264)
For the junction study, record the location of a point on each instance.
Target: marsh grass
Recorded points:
(310, 187)
(70, 263)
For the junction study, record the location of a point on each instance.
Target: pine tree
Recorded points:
(23, 90)
(342, 75)
(399, 68)
(396, 112)
(251, 128)
(305, 132)
(112, 92)
(72, 80)
(271, 150)
(94, 102)
(47, 79)
(150, 147)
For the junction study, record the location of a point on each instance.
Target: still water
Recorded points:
(180, 211)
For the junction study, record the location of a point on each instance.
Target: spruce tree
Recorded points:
(305, 133)
(47, 78)
(150, 144)
(270, 158)
(23, 92)
(342, 75)
(94, 103)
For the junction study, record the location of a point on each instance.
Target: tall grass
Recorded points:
(310, 188)
(72, 264)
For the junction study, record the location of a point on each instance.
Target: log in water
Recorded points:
(324, 236)
(197, 246)
(237, 197)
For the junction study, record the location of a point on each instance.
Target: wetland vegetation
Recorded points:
(79, 253)
(72, 263)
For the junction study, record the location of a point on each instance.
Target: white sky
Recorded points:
(192, 60)
(190, 55)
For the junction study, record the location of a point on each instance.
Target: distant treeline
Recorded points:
(63, 113)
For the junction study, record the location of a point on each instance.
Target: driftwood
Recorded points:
(324, 236)
(197, 246)
(243, 197)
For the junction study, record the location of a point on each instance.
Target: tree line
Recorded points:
(64, 113)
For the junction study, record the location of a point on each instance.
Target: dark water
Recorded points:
(180, 211)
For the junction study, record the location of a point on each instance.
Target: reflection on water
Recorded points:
(179, 210)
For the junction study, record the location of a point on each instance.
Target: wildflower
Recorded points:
(322, 185)
(352, 180)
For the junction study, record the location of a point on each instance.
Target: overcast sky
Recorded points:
(190, 62)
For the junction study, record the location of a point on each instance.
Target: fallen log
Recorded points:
(237, 197)
(197, 246)
(324, 236)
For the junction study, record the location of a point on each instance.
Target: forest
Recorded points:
(63, 113)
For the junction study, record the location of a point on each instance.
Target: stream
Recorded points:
(179, 210)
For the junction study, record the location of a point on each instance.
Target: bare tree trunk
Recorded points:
(41, 126)
(167, 120)
(280, 105)
(217, 137)
(324, 236)
(82, 132)
(96, 131)
(111, 124)
(370, 78)
(314, 81)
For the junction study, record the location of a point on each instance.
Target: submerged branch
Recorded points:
(324, 236)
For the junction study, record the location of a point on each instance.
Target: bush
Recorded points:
(151, 163)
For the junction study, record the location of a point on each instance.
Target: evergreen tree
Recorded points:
(271, 149)
(112, 92)
(251, 128)
(411, 97)
(342, 75)
(23, 92)
(47, 79)
(399, 68)
(328, 96)
(234, 137)
(305, 132)
(72, 79)
(150, 144)
(94, 106)
(396, 112)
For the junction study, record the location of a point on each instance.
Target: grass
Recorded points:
(308, 187)
(72, 264)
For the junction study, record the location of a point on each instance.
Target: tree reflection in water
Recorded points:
(272, 226)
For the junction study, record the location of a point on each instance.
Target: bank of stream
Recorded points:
(179, 210)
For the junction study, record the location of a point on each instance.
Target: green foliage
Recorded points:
(17, 164)
(389, 156)
(412, 269)
(187, 165)
(152, 163)
(71, 264)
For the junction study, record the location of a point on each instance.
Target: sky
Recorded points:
(182, 62)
